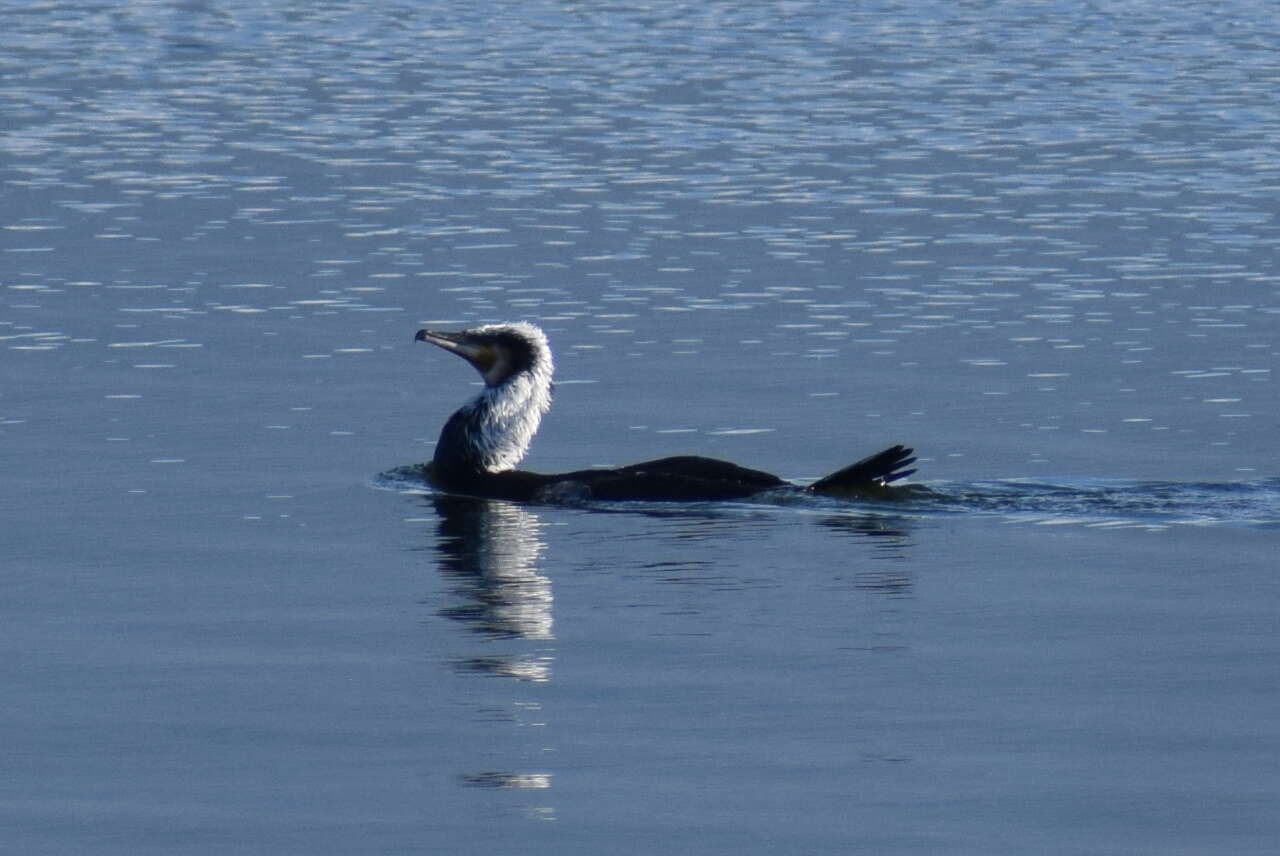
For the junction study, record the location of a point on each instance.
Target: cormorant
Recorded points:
(483, 441)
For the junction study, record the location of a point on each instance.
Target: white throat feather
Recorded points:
(503, 419)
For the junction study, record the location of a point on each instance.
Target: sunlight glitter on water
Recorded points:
(1035, 241)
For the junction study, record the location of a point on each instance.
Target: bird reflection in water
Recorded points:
(891, 537)
(491, 551)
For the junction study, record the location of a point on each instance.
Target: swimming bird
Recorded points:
(481, 444)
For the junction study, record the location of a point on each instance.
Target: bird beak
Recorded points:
(448, 341)
(480, 356)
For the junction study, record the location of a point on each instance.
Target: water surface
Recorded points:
(1034, 241)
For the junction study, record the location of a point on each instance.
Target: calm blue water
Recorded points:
(1035, 241)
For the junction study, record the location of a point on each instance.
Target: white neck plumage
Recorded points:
(504, 418)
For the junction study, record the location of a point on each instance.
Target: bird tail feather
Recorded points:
(869, 474)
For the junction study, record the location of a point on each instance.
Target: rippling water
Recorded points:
(1000, 231)
(1034, 240)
